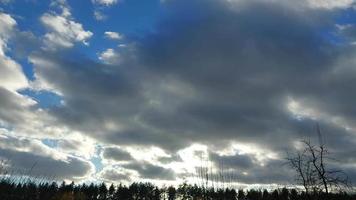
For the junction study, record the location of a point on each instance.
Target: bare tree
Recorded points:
(313, 172)
(303, 167)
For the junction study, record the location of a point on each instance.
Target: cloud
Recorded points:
(98, 15)
(273, 172)
(116, 154)
(113, 35)
(63, 30)
(200, 80)
(129, 164)
(11, 75)
(149, 171)
(216, 73)
(24, 153)
(330, 4)
(80, 146)
(113, 174)
(19, 112)
(248, 169)
(105, 2)
(100, 6)
(16, 108)
(7, 24)
(109, 56)
(236, 161)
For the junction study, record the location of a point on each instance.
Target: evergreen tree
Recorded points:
(172, 193)
(241, 194)
(111, 192)
(102, 192)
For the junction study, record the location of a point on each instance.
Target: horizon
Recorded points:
(123, 91)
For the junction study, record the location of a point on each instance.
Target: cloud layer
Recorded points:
(243, 79)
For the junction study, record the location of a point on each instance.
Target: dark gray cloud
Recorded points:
(273, 172)
(167, 160)
(114, 175)
(116, 154)
(241, 66)
(149, 171)
(233, 161)
(246, 169)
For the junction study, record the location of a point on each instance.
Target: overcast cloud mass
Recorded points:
(120, 91)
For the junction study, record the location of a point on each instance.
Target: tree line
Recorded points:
(147, 191)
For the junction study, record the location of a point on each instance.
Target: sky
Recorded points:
(131, 90)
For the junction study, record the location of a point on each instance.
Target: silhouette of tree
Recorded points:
(183, 191)
(312, 168)
(111, 192)
(241, 194)
(284, 193)
(275, 194)
(156, 194)
(123, 193)
(9, 190)
(293, 195)
(265, 195)
(230, 194)
(253, 194)
(92, 191)
(171, 193)
(102, 191)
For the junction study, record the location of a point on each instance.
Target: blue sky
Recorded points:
(130, 90)
(126, 18)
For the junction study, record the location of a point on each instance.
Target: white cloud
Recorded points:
(105, 2)
(99, 6)
(18, 111)
(113, 35)
(63, 30)
(7, 24)
(63, 6)
(22, 153)
(109, 56)
(304, 109)
(77, 145)
(11, 75)
(314, 4)
(331, 4)
(99, 16)
(23, 144)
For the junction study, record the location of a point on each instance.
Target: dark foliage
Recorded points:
(147, 191)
